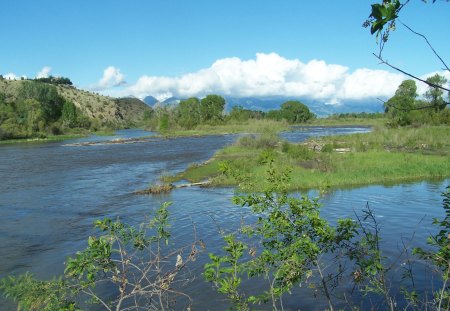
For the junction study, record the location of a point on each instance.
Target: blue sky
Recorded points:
(184, 48)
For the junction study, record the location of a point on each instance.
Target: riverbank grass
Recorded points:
(249, 126)
(384, 156)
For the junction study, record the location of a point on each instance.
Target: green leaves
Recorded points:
(291, 238)
(383, 14)
(129, 259)
(33, 295)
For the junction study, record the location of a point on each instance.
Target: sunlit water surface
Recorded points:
(51, 193)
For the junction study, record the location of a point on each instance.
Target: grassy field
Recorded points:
(249, 126)
(384, 156)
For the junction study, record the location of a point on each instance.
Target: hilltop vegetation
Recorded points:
(52, 106)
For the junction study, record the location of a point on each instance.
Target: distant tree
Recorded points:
(211, 108)
(404, 97)
(54, 80)
(398, 107)
(435, 95)
(188, 112)
(295, 112)
(69, 114)
(148, 114)
(47, 95)
(274, 115)
(163, 122)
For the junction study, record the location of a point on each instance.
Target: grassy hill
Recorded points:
(30, 108)
(92, 105)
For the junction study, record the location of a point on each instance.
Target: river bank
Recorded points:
(384, 156)
(54, 193)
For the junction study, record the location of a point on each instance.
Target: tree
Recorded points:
(188, 113)
(435, 95)
(295, 112)
(211, 108)
(47, 95)
(136, 264)
(398, 107)
(69, 114)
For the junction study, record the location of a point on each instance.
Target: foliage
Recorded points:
(384, 155)
(211, 108)
(188, 113)
(435, 95)
(295, 112)
(69, 114)
(34, 295)
(439, 256)
(382, 18)
(404, 109)
(132, 262)
(238, 113)
(356, 115)
(291, 111)
(37, 111)
(292, 237)
(399, 106)
(51, 103)
(195, 115)
(55, 80)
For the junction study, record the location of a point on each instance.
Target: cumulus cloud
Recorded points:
(273, 75)
(13, 76)
(44, 73)
(112, 77)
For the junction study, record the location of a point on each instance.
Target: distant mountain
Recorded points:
(274, 102)
(150, 100)
(320, 109)
(172, 101)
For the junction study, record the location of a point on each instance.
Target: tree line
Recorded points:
(406, 108)
(210, 110)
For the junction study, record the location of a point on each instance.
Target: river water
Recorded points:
(50, 194)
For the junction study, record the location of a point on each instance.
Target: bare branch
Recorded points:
(428, 42)
(410, 75)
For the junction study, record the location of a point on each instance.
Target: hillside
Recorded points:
(104, 109)
(37, 109)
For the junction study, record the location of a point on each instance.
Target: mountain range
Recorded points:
(270, 103)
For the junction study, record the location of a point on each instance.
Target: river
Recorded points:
(50, 194)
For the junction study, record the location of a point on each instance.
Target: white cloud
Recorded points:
(112, 77)
(273, 75)
(366, 83)
(44, 73)
(11, 76)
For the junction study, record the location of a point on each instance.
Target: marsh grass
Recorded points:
(384, 156)
(249, 126)
(156, 189)
(43, 139)
(348, 121)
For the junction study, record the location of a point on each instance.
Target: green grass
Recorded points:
(384, 156)
(250, 126)
(348, 121)
(42, 140)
